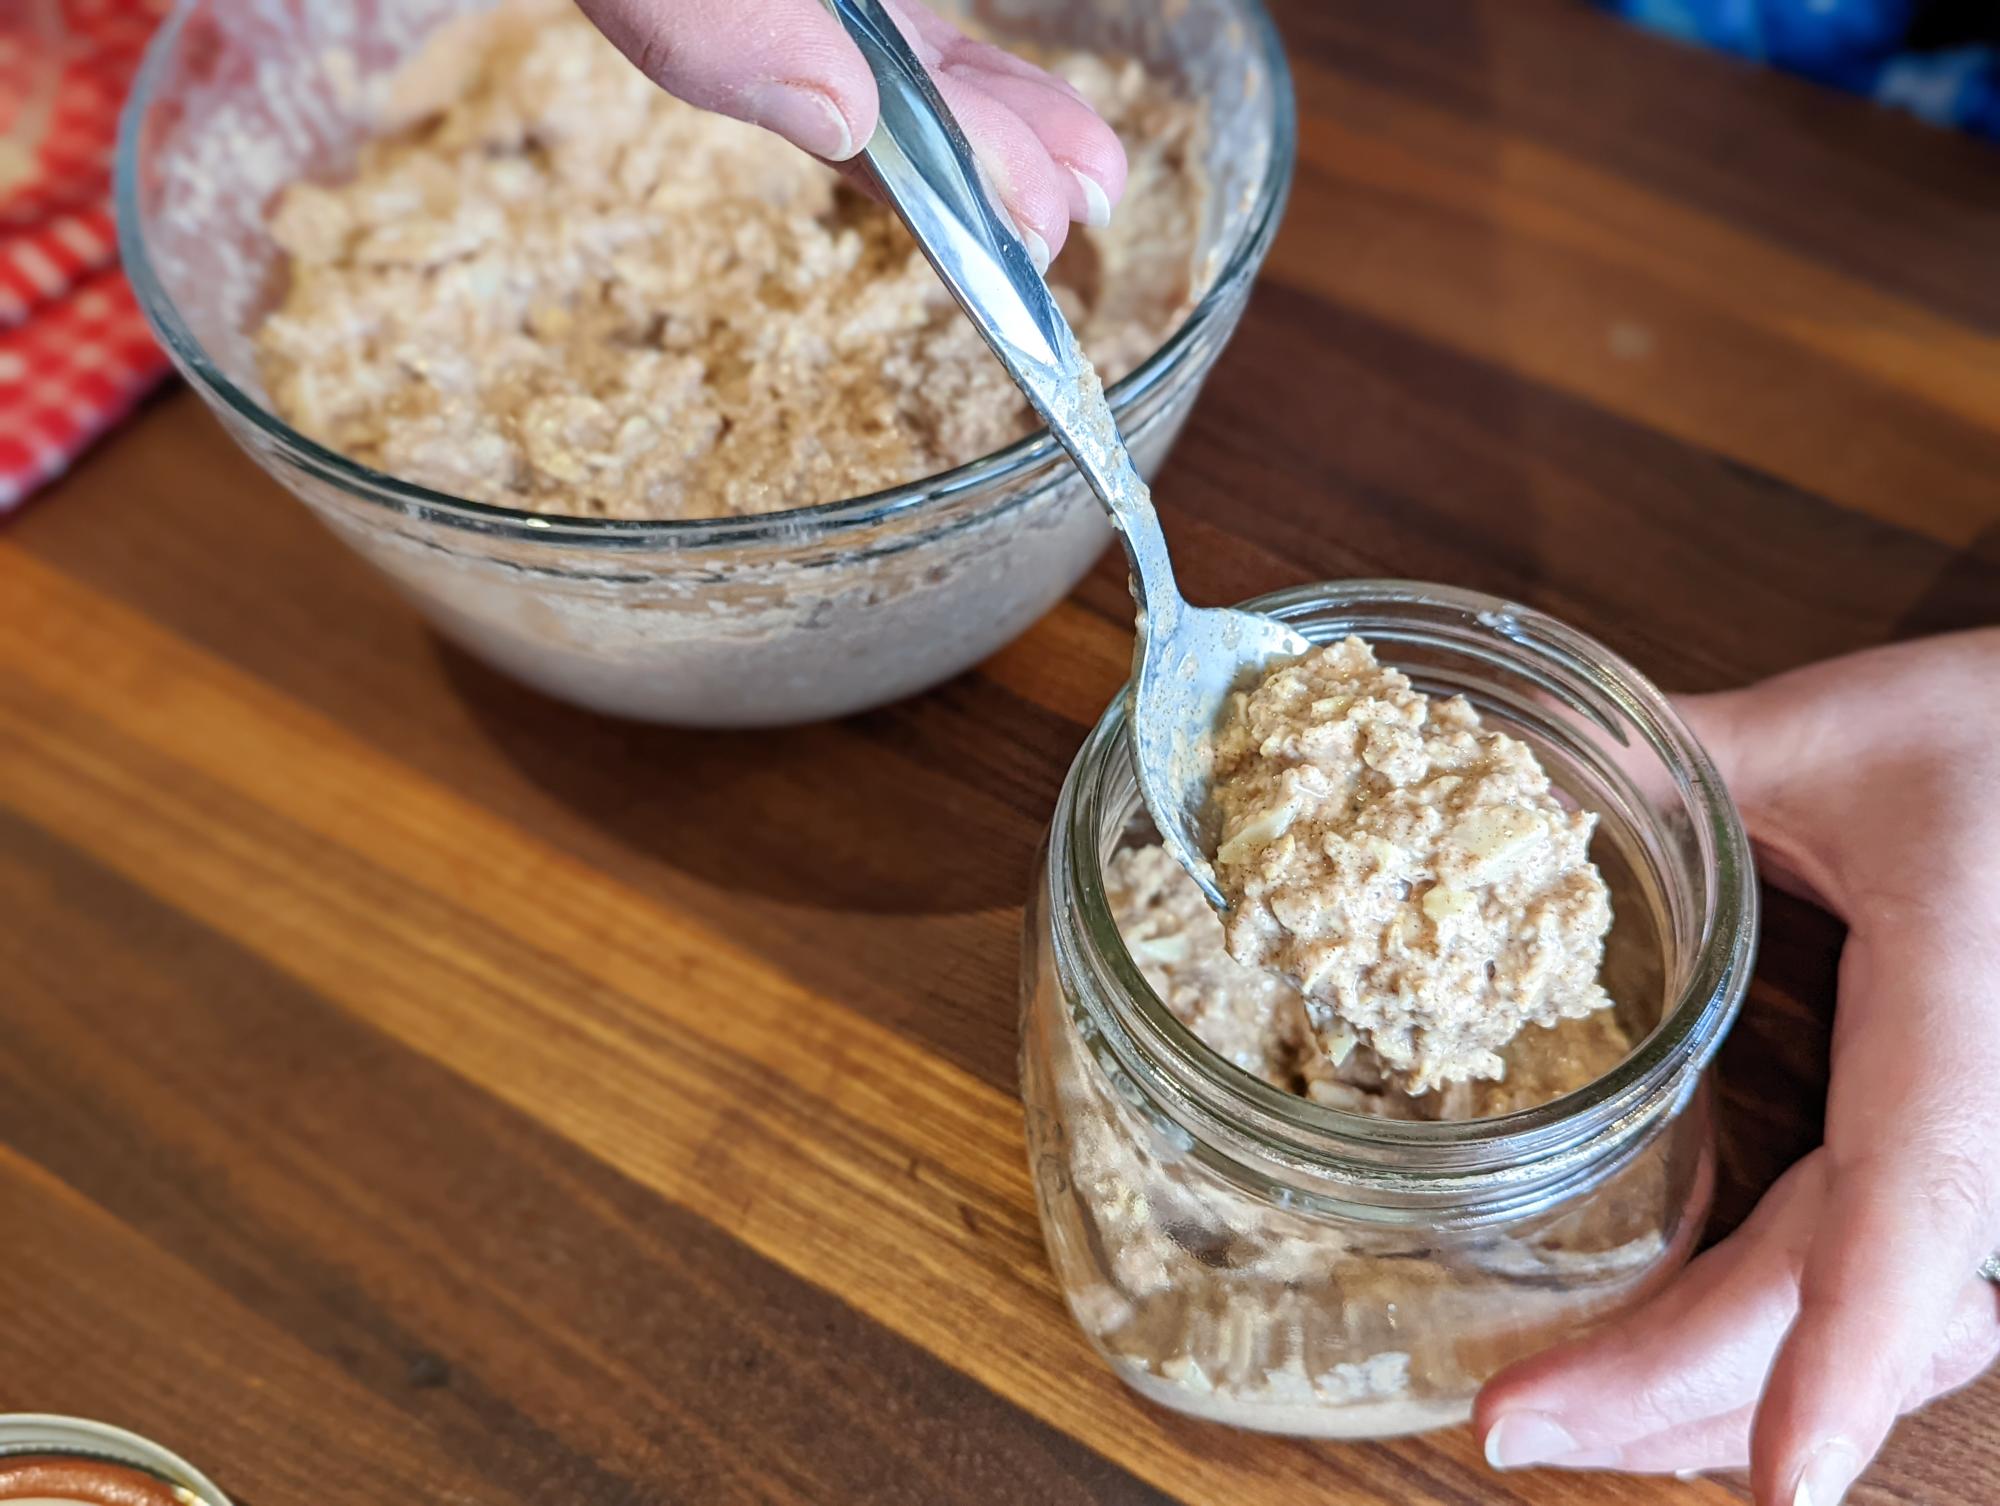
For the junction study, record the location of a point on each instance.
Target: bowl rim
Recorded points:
(789, 526)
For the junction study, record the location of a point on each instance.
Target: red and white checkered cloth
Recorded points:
(75, 353)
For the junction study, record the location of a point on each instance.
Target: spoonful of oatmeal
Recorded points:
(1411, 871)
(1187, 659)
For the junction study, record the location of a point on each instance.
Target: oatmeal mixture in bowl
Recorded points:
(550, 285)
(1253, 1229)
(632, 496)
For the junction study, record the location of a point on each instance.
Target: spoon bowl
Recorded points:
(1181, 683)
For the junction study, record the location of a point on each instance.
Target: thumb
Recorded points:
(786, 65)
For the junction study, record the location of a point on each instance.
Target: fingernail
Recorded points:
(1038, 249)
(1096, 204)
(803, 115)
(1519, 1440)
(1830, 1469)
(992, 179)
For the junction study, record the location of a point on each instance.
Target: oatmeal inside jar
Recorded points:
(1412, 872)
(1260, 1022)
(550, 285)
(1221, 1300)
(1348, 798)
(1213, 1298)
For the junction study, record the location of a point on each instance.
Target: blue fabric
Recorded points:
(1852, 44)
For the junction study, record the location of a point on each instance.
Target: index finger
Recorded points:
(789, 67)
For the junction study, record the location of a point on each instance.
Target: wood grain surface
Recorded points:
(412, 1089)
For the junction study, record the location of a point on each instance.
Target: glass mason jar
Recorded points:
(1252, 1257)
(37, 1435)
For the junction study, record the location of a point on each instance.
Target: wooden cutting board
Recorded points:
(414, 1090)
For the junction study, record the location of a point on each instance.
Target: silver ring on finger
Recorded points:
(1990, 1267)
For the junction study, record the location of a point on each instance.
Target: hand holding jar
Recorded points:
(1852, 1294)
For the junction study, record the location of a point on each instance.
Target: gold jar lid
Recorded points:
(72, 1461)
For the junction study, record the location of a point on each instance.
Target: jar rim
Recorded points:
(84, 1438)
(1197, 1086)
(789, 527)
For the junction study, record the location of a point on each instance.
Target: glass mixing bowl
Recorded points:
(736, 622)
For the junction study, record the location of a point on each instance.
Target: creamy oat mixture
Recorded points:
(1259, 1021)
(1220, 1301)
(1409, 869)
(1348, 802)
(552, 286)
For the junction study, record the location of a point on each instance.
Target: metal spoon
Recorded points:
(1187, 659)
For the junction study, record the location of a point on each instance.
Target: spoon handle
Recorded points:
(927, 171)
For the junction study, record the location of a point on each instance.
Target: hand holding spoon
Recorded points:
(1187, 659)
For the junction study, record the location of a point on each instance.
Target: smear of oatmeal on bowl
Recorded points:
(550, 285)
(1410, 870)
